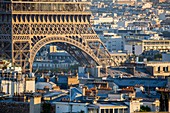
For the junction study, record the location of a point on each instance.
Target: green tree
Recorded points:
(81, 111)
(145, 109)
(158, 56)
(46, 107)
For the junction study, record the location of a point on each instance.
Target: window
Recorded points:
(165, 69)
(111, 110)
(120, 110)
(102, 110)
(133, 49)
(115, 110)
(159, 68)
(126, 110)
(106, 111)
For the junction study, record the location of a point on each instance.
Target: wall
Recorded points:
(49, 65)
(154, 106)
(35, 104)
(73, 80)
(114, 44)
(115, 96)
(81, 69)
(71, 107)
(103, 20)
(158, 68)
(137, 49)
(166, 57)
(30, 85)
(14, 107)
(62, 108)
(10, 87)
(134, 105)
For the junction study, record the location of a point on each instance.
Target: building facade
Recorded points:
(137, 47)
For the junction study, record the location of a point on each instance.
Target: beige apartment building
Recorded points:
(158, 68)
(137, 47)
(120, 58)
(162, 45)
(129, 2)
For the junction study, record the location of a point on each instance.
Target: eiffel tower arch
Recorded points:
(26, 26)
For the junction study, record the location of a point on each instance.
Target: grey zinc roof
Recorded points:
(62, 79)
(124, 82)
(41, 85)
(145, 95)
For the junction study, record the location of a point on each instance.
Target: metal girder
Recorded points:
(75, 52)
(5, 51)
(21, 54)
(27, 30)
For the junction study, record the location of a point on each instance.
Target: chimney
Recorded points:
(77, 76)
(84, 90)
(35, 104)
(56, 79)
(47, 79)
(94, 101)
(87, 74)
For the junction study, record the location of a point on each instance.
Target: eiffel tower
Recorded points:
(28, 25)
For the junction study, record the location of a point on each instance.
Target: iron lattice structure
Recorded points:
(28, 25)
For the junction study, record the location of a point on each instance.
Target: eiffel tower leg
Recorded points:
(21, 55)
(63, 22)
(5, 37)
(5, 49)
